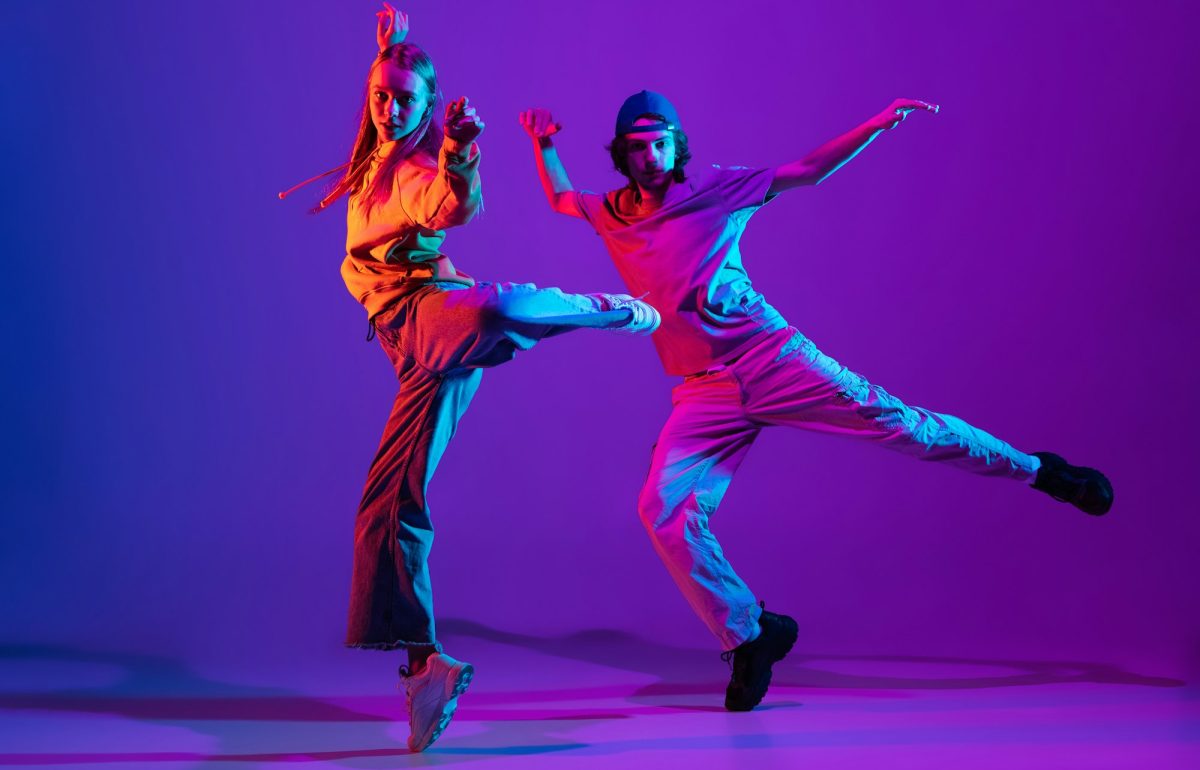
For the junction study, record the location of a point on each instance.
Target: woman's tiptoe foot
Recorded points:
(432, 695)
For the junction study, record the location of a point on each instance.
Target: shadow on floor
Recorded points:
(684, 671)
(160, 691)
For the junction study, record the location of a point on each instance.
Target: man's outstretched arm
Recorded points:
(819, 164)
(540, 126)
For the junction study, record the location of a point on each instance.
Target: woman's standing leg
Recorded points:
(391, 602)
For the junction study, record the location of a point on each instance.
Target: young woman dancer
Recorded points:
(743, 367)
(408, 181)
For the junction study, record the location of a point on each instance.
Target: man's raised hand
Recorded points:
(898, 110)
(539, 123)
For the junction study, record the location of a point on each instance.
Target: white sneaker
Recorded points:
(644, 319)
(432, 697)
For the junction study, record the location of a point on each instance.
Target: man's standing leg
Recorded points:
(698, 451)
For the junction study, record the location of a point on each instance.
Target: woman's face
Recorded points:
(399, 99)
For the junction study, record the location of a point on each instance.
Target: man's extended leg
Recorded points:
(790, 382)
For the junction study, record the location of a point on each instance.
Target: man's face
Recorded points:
(650, 155)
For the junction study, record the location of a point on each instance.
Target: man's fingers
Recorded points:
(917, 104)
(538, 122)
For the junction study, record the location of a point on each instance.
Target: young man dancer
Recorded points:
(675, 239)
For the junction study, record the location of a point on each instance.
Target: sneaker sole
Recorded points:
(599, 320)
(609, 320)
(457, 680)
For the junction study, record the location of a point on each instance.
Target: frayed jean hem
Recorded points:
(399, 644)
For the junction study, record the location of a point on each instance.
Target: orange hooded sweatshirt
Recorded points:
(396, 246)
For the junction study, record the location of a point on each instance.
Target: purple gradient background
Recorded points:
(190, 408)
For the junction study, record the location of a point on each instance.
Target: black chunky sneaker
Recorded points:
(752, 661)
(1085, 488)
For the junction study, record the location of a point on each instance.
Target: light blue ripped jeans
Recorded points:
(439, 337)
(717, 414)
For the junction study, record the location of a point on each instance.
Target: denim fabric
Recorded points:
(439, 338)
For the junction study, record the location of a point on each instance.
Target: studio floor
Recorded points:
(597, 699)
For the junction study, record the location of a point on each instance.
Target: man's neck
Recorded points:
(651, 198)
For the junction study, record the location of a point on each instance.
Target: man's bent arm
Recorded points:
(555, 183)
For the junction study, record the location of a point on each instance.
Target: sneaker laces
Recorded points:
(728, 655)
(625, 302)
(635, 305)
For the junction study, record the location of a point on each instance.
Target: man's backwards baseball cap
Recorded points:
(646, 103)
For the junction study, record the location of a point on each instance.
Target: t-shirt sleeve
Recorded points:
(745, 188)
(590, 205)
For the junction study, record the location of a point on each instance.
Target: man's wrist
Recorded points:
(883, 121)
